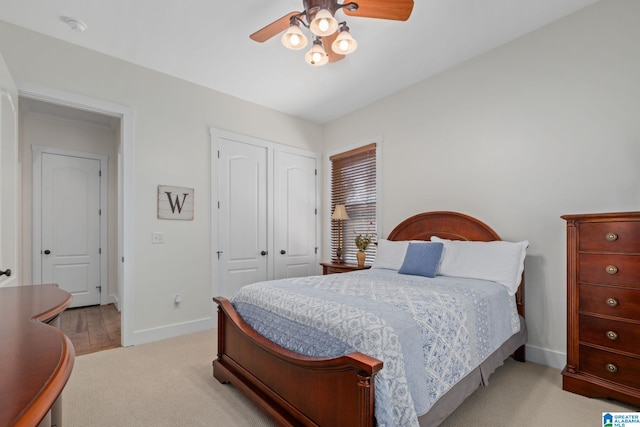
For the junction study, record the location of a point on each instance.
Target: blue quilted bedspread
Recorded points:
(428, 332)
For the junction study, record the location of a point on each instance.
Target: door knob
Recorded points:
(7, 272)
(47, 252)
(283, 252)
(263, 253)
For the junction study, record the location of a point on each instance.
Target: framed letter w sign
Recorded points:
(175, 202)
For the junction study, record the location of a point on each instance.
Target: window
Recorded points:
(353, 184)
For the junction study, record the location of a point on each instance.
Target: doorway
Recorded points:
(120, 119)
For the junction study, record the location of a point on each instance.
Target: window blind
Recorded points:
(353, 184)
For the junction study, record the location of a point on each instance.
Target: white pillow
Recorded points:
(390, 254)
(498, 261)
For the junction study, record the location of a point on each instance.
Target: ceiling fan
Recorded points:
(331, 39)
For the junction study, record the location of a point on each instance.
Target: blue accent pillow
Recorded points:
(422, 259)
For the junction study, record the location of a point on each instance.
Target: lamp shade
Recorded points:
(323, 23)
(316, 55)
(294, 38)
(344, 43)
(340, 212)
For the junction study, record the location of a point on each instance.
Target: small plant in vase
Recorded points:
(362, 243)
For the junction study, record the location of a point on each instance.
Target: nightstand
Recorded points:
(333, 268)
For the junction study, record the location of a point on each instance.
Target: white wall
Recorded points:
(546, 125)
(171, 147)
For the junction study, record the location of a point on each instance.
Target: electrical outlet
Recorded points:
(157, 237)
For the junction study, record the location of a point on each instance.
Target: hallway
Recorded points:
(92, 328)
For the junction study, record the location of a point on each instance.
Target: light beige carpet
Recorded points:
(170, 383)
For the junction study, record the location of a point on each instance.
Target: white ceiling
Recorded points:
(207, 42)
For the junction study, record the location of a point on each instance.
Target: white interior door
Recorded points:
(70, 226)
(9, 201)
(295, 215)
(242, 215)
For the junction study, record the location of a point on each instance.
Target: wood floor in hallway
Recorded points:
(92, 328)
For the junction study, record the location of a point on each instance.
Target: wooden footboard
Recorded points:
(294, 390)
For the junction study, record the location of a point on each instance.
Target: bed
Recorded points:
(298, 389)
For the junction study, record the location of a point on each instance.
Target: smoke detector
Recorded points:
(74, 24)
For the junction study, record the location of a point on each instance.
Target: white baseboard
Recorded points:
(155, 334)
(547, 357)
(113, 299)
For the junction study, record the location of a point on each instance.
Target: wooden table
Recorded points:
(36, 358)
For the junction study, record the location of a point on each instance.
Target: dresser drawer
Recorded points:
(610, 366)
(610, 301)
(614, 236)
(610, 269)
(622, 336)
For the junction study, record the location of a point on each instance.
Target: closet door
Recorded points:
(264, 212)
(242, 249)
(295, 215)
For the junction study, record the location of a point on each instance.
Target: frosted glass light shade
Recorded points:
(294, 38)
(344, 43)
(316, 55)
(323, 23)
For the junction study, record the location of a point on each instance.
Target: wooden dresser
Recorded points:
(603, 306)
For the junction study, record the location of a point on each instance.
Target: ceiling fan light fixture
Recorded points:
(316, 55)
(344, 43)
(294, 38)
(323, 24)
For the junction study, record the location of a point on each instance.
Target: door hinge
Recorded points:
(99, 173)
(316, 248)
(218, 153)
(99, 288)
(316, 172)
(316, 211)
(218, 205)
(99, 211)
(99, 250)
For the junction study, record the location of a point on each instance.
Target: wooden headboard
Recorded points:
(446, 225)
(452, 226)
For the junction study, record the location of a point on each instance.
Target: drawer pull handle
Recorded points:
(612, 302)
(611, 237)
(612, 368)
(612, 335)
(611, 269)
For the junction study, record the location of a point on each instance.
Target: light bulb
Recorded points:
(294, 40)
(343, 45)
(323, 25)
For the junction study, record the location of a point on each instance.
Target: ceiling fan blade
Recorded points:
(273, 29)
(397, 10)
(326, 43)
